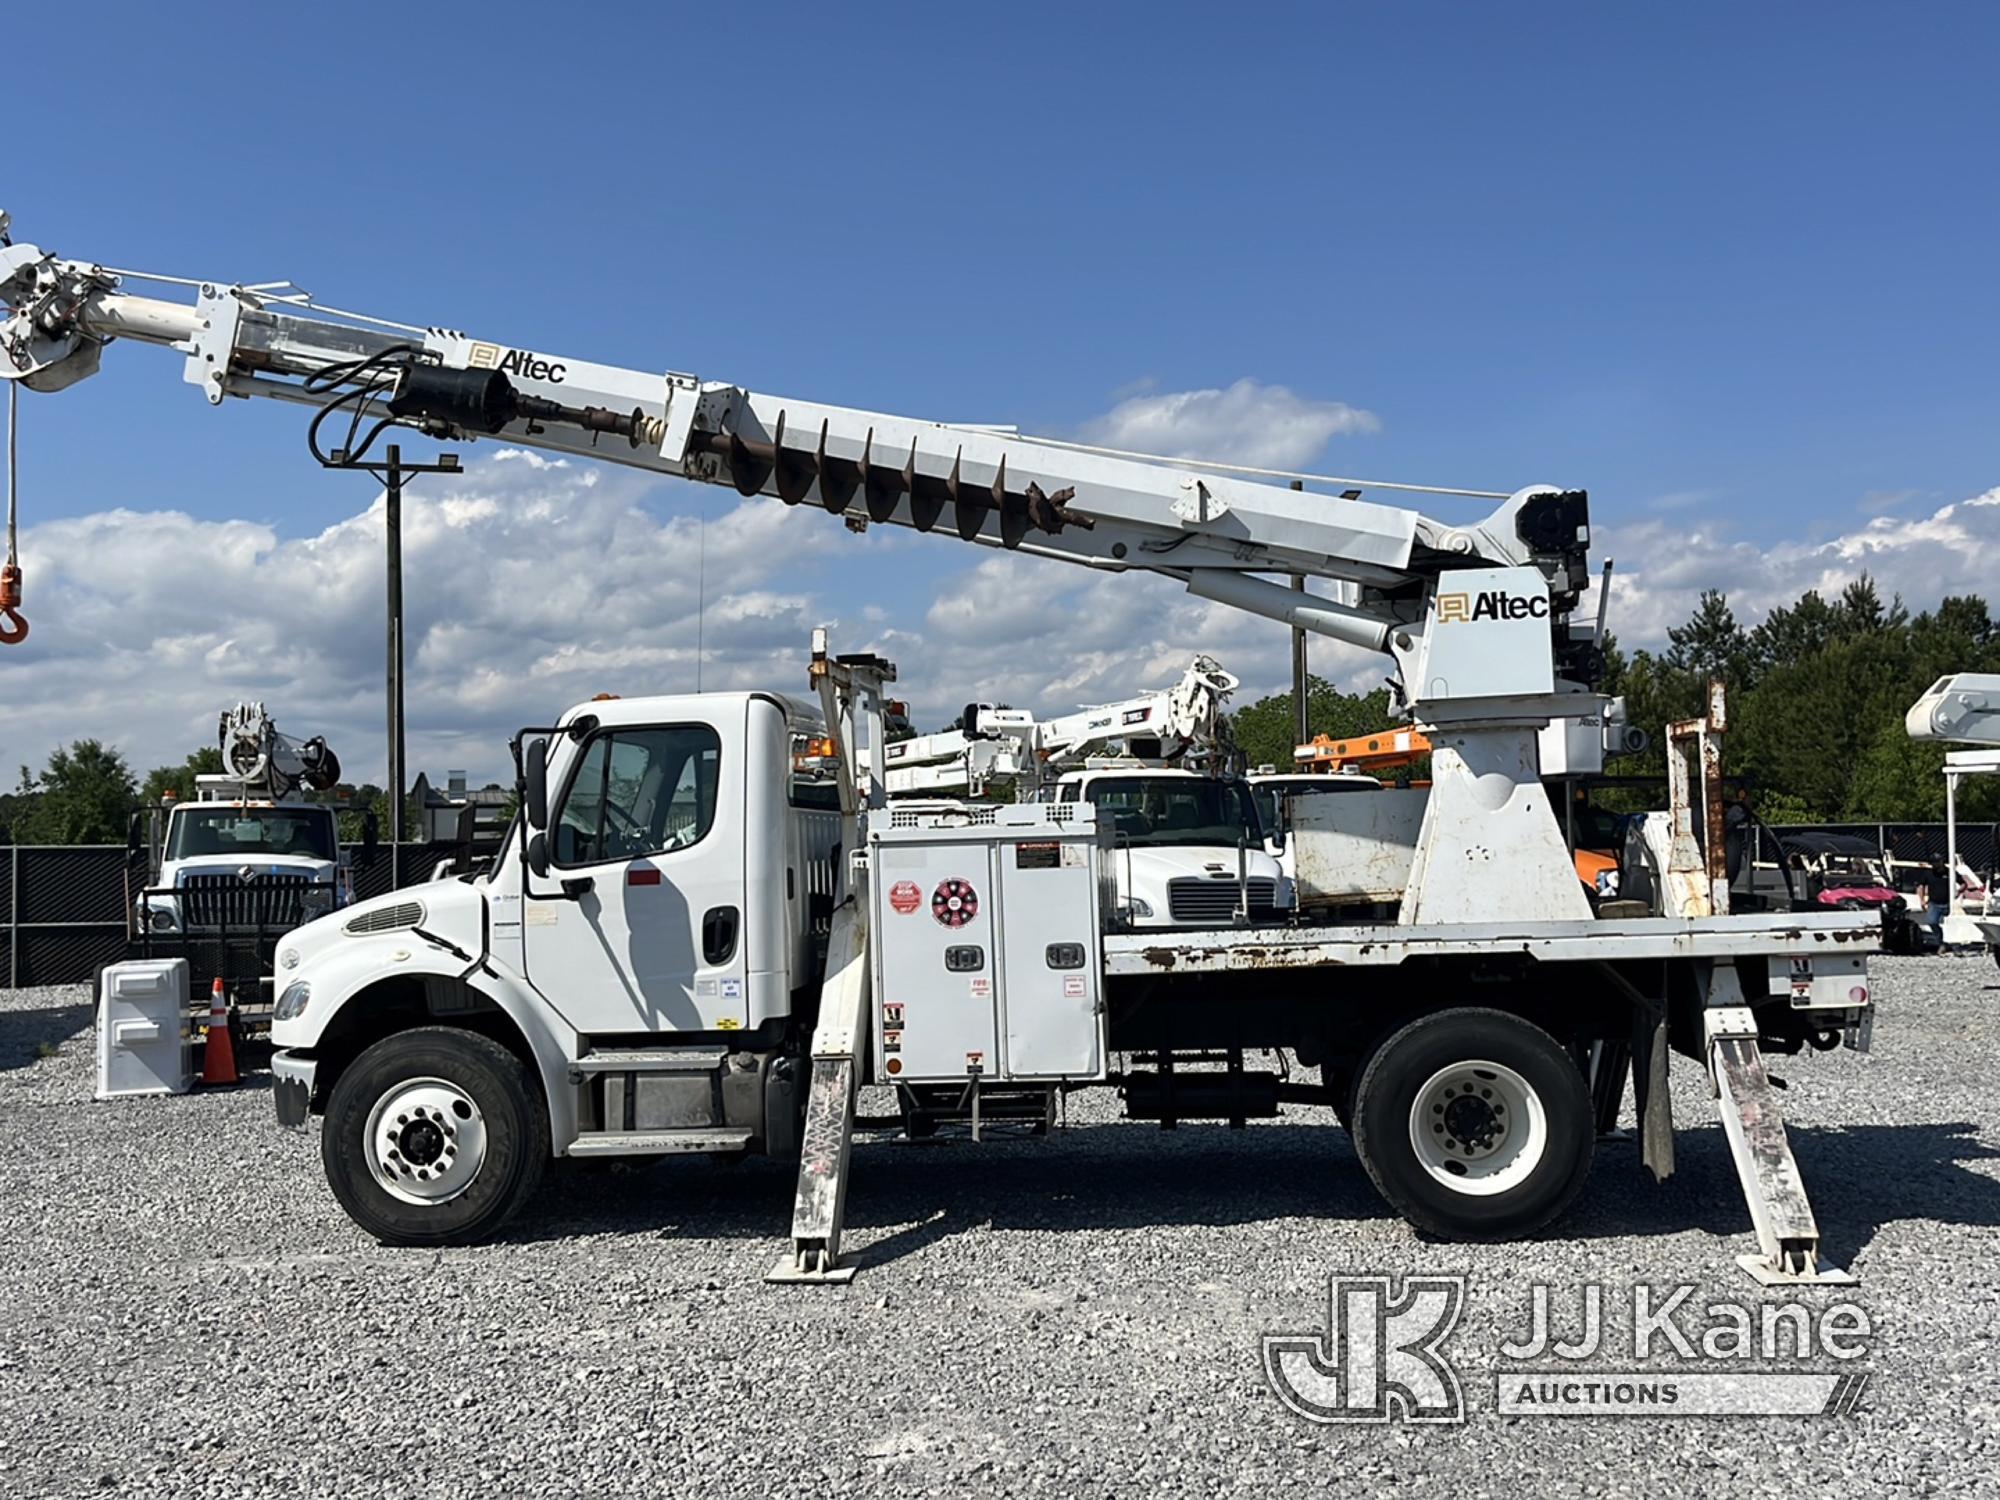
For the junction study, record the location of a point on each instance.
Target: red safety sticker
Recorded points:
(905, 896)
(955, 902)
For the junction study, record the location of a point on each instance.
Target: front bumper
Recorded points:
(291, 1087)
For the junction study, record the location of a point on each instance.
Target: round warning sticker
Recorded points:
(955, 902)
(905, 897)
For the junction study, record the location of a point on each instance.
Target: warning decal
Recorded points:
(905, 896)
(955, 902)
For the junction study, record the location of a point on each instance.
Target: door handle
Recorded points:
(718, 935)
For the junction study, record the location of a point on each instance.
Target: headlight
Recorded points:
(1607, 883)
(292, 1004)
(1137, 906)
(315, 903)
(162, 919)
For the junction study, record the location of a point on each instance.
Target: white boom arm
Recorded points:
(262, 760)
(1964, 707)
(1521, 567)
(1010, 744)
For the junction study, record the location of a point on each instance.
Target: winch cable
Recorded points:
(13, 627)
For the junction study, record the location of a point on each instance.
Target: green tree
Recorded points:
(1266, 731)
(179, 779)
(85, 795)
(1711, 643)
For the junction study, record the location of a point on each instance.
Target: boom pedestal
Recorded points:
(1489, 849)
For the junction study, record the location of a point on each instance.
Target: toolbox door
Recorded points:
(1050, 959)
(935, 920)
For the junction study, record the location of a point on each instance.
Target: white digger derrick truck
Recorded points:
(250, 850)
(1963, 709)
(634, 974)
(995, 746)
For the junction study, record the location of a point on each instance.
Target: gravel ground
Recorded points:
(185, 1311)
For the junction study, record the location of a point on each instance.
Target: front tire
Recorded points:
(435, 1136)
(1474, 1125)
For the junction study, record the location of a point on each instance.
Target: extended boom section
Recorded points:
(1215, 531)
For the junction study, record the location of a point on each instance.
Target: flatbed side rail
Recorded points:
(1784, 934)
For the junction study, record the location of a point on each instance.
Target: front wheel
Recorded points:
(1474, 1125)
(435, 1136)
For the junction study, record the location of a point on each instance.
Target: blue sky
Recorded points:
(1729, 268)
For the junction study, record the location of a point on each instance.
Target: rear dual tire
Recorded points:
(1473, 1124)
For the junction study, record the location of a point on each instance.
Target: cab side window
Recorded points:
(637, 792)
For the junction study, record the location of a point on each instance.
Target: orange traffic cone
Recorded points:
(218, 1057)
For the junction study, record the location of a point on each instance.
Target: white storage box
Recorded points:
(145, 1044)
(985, 923)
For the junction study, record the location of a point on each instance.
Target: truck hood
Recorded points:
(1146, 873)
(256, 864)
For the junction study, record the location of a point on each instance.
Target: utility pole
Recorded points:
(1301, 723)
(392, 475)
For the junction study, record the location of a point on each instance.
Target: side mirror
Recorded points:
(371, 835)
(535, 793)
(538, 854)
(133, 836)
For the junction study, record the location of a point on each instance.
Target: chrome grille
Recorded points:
(231, 901)
(1195, 899)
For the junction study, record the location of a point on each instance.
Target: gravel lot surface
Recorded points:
(185, 1311)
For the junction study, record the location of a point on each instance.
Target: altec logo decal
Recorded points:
(517, 362)
(1492, 605)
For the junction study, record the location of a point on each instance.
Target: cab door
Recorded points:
(651, 816)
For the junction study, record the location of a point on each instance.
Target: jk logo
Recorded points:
(1380, 1357)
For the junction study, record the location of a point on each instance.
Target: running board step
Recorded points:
(657, 1142)
(648, 1060)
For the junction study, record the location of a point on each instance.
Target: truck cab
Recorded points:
(225, 853)
(651, 955)
(1190, 849)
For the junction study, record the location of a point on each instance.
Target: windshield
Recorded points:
(1161, 811)
(306, 832)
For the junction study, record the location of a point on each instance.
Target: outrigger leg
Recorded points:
(1787, 1233)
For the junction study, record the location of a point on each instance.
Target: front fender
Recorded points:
(343, 976)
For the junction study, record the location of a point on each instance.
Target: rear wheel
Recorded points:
(435, 1136)
(1474, 1124)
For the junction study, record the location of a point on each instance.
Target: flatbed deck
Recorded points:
(1218, 951)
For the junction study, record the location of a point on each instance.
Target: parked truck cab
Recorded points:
(1190, 850)
(677, 895)
(220, 846)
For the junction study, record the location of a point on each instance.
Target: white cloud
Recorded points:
(1664, 566)
(1263, 425)
(1041, 635)
(529, 584)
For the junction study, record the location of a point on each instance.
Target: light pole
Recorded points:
(392, 473)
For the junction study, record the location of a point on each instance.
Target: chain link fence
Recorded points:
(1906, 843)
(65, 908)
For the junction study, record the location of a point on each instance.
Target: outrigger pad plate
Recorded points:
(787, 1272)
(1766, 1274)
